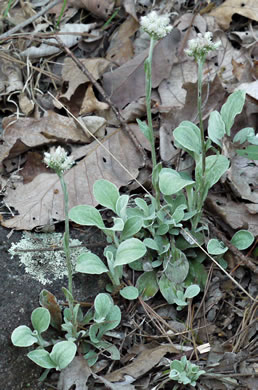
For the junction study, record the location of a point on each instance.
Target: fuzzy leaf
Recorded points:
(40, 319)
(171, 182)
(89, 263)
(42, 358)
(232, 108)
(129, 292)
(106, 194)
(216, 247)
(86, 216)
(242, 239)
(129, 251)
(23, 336)
(63, 353)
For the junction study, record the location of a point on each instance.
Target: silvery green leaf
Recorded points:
(144, 128)
(216, 166)
(106, 193)
(121, 206)
(242, 239)
(177, 269)
(250, 152)
(102, 306)
(89, 263)
(192, 291)
(42, 358)
(129, 251)
(151, 243)
(40, 319)
(232, 108)
(63, 353)
(86, 215)
(142, 205)
(171, 182)
(147, 285)
(23, 336)
(167, 289)
(243, 135)
(129, 292)
(132, 226)
(188, 136)
(216, 247)
(216, 128)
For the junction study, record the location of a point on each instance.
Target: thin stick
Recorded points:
(30, 20)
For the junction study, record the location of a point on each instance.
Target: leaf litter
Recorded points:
(114, 54)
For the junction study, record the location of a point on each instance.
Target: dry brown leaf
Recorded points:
(146, 360)
(33, 167)
(129, 6)
(75, 77)
(10, 77)
(41, 200)
(26, 104)
(121, 47)
(91, 104)
(243, 178)
(236, 215)
(76, 373)
(127, 83)
(100, 8)
(224, 13)
(25, 133)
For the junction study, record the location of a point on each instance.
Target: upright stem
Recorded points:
(67, 237)
(148, 71)
(200, 63)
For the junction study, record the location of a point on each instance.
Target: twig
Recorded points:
(30, 20)
(85, 71)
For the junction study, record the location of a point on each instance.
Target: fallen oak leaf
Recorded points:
(146, 360)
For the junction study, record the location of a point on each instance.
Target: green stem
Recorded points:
(67, 237)
(200, 63)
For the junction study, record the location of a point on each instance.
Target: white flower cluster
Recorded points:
(58, 160)
(157, 26)
(200, 46)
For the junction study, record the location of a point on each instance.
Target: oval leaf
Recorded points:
(63, 353)
(41, 358)
(216, 128)
(216, 247)
(40, 319)
(89, 263)
(132, 226)
(129, 292)
(188, 136)
(86, 215)
(192, 291)
(231, 108)
(147, 285)
(242, 239)
(23, 336)
(106, 193)
(171, 182)
(102, 306)
(129, 251)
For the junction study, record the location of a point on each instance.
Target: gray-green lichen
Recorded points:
(44, 265)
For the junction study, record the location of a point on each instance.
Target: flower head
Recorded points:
(201, 46)
(157, 26)
(58, 160)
